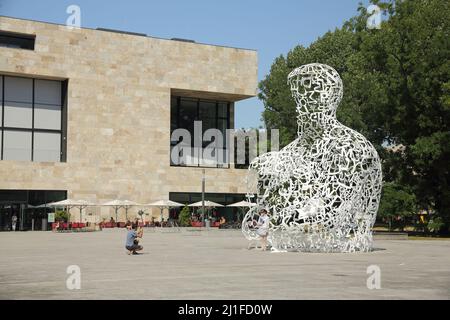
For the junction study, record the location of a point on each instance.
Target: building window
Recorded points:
(212, 115)
(32, 126)
(28, 206)
(17, 40)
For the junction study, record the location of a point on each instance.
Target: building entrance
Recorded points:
(11, 216)
(22, 210)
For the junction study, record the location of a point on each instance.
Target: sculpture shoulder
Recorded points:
(344, 139)
(274, 156)
(265, 161)
(274, 161)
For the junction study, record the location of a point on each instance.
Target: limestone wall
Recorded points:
(119, 89)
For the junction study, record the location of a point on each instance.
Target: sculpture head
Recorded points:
(316, 88)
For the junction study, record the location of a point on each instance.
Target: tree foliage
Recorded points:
(396, 92)
(61, 215)
(184, 218)
(397, 203)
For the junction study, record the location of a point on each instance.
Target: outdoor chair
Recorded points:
(196, 224)
(63, 226)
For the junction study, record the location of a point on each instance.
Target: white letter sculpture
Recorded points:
(323, 189)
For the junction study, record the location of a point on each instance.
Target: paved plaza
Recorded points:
(213, 265)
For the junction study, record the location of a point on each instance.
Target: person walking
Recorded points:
(14, 222)
(263, 228)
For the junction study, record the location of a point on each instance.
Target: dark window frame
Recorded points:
(14, 40)
(63, 128)
(197, 118)
(25, 196)
(23, 203)
(209, 195)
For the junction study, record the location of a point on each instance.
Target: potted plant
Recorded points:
(184, 218)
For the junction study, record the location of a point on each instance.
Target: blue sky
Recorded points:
(270, 27)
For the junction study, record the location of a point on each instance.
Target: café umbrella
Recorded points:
(207, 204)
(242, 204)
(71, 203)
(117, 204)
(164, 204)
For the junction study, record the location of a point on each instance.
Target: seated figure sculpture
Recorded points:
(323, 189)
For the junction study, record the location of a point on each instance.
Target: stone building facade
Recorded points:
(116, 91)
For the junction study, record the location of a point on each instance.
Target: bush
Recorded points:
(61, 215)
(184, 219)
(435, 224)
(397, 204)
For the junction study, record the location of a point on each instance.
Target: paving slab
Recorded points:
(216, 264)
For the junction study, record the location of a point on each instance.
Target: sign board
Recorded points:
(51, 217)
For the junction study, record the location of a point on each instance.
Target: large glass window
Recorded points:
(16, 145)
(47, 146)
(198, 151)
(31, 120)
(28, 208)
(18, 102)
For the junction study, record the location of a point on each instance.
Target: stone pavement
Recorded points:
(213, 265)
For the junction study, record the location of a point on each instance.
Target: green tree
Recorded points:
(396, 92)
(397, 203)
(61, 215)
(184, 218)
(408, 58)
(435, 224)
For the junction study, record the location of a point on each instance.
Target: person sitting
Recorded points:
(132, 242)
(222, 220)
